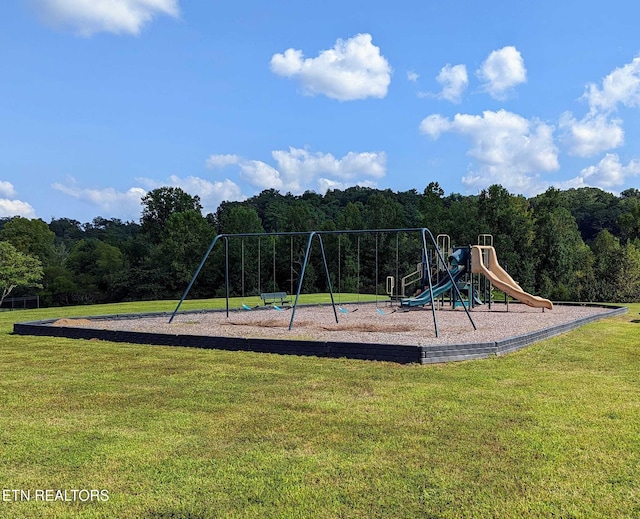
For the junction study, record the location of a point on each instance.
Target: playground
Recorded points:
(442, 311)
(362, 324)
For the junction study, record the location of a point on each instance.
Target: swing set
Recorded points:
(426, 238)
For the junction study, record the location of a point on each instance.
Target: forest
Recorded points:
(574, 245)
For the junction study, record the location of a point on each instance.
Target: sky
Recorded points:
(102, 101)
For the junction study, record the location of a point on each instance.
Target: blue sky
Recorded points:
(104, 100)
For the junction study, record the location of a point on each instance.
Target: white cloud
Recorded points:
(435, 125)
(211, 193)
(221, 161)
(509, 149)
(599, 130)
(7, 189)
(352, 69)
(501, 71)
(11, 207)
(16, 208)
(620, 87)
(609, 173)
(259, 174)
(122, 204)
(127, 204)
(594, 134)
(412, 76)
(297, 170)
(87, 17)
(299, 167)
(454, 81)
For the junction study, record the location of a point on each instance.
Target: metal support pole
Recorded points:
(226, 272)
(425, 230)
(193, 279)
(304, 267)
(433, 303)
(326, 271)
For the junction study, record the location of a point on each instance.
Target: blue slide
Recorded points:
(445, 285)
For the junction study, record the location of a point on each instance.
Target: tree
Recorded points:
(97, 268)
(17, 269)
(188, 237)
(628, 287)
(235, 218)
(382, 211)
(563, 261)
(31, 237)
(432, 207)
(160, 204)
(629, 220)
(510, 221)
(607, 252)
(594, 211)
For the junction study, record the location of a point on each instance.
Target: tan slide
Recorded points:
(501, 280)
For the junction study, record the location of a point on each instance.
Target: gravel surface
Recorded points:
(362, 323)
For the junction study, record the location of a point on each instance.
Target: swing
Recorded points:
(378, 309)
(275, 306)
(244, 305)
(340, 307)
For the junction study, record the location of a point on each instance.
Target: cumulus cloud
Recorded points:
(211, 193)
(352, 69)
(454, 81)
(127, 204)
(591, 135)
(124, 204)
(7, 189)
(501, 71)
(87, 17)
(9, 206)
(16, 208)
(620, 87)
(435, 125)
(412, 76)
(599, 130)
(259, 174)
(608, 174)
(508, 149)
(298, 169)
(221, 161)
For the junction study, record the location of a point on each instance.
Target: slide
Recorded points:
(500, 279)
(445, 285)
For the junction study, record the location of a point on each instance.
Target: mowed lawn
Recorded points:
(550, 431)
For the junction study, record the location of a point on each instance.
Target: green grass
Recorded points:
(550, 431)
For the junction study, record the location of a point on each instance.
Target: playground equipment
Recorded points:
(499, 278)
(477, 259)
(459, 260)
(426, 238)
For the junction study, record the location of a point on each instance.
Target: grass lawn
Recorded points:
(550, 431)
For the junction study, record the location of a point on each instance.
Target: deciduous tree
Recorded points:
(17, 270)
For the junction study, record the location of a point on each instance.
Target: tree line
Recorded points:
(578, 244)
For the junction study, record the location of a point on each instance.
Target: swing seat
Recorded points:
(246, 307)
(343, 310)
